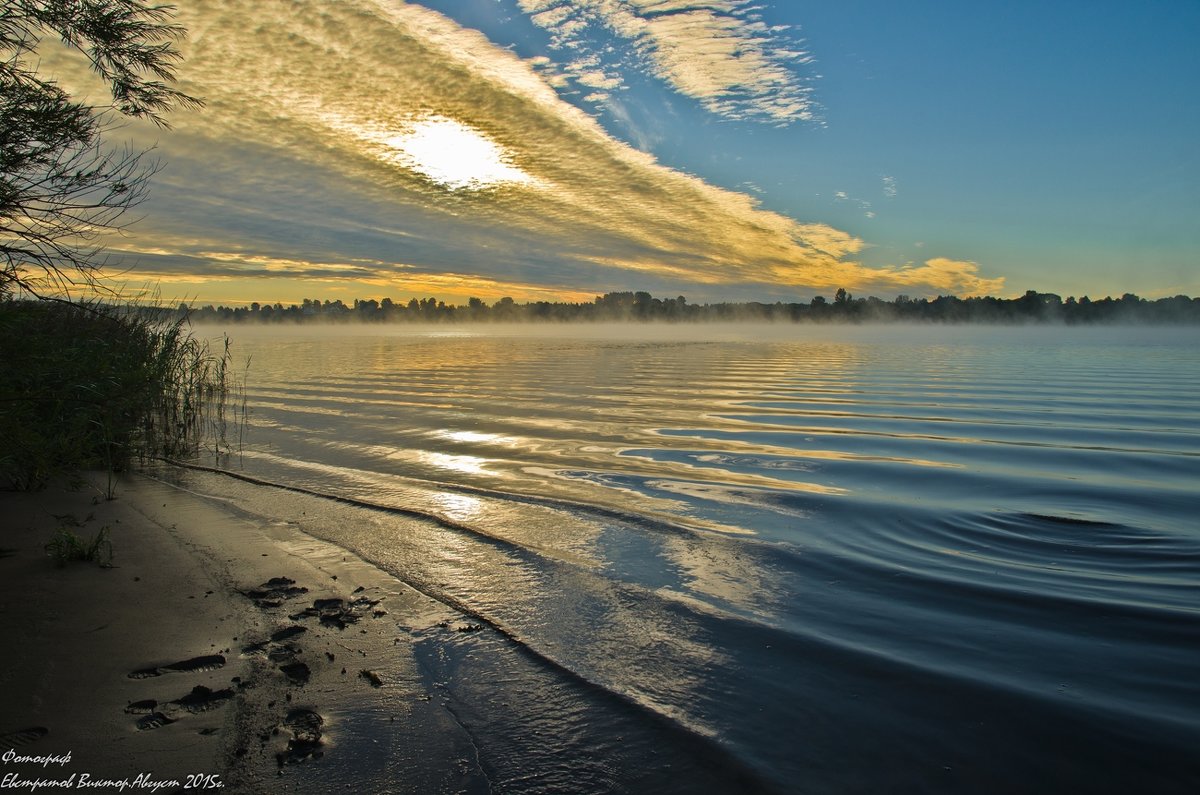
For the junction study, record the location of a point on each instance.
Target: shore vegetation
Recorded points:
(96, 386)
(84, 382)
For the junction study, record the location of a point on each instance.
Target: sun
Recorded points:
(453, 154)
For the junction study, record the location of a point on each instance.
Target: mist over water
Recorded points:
(911, 559)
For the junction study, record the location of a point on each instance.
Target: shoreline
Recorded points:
(216, 650)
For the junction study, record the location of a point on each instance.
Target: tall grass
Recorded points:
(98, 386)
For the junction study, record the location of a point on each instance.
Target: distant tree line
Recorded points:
(1033, 307)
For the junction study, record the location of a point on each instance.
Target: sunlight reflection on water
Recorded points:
(884, 536)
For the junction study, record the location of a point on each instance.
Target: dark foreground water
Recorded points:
(805, 560)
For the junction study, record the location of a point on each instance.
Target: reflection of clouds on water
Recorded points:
(465, 464)
(730, 495)
(755, 461)
(645, 515)
(459, 507)
(733, 469)
(478, 437)
(718, 571)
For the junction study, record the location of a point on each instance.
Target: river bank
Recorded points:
(215, 649)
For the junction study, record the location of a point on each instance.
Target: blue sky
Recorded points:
(723, 149)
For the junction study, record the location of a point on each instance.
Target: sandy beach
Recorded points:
(217, 651)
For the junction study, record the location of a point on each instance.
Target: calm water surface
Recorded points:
(823, 560)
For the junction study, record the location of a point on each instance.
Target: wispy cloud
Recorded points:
(842, 196)
(720, 53)
(310, 163)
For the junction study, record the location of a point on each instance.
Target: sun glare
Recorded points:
(454, 155)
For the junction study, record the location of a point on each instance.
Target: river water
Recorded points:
(792, 558)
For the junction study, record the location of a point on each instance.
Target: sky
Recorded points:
(724, 150)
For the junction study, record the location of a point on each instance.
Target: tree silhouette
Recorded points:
(61, 190)
(1032, 307)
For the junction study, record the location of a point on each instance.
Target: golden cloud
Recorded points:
(309, 158)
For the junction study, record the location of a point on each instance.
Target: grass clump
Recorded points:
(98, 386)
(66, 546)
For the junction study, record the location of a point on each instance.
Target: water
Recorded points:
(818, 560)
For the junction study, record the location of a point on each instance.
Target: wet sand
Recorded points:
(217, 649)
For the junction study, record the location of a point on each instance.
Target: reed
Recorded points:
(101, 386)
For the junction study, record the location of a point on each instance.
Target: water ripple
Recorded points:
(862, 563)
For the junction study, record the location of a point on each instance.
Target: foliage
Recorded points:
(66, 546)
(99, 386)
(61, 190)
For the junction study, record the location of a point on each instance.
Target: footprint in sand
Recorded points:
(209, 662)
(306, 742)
(154, 720)
(201, 699)
(338, 613)
(283, 654)
(287, 633)
(297, 672)
(22, 737)
(275, 592)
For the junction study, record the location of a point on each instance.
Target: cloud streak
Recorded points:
(719, 53)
